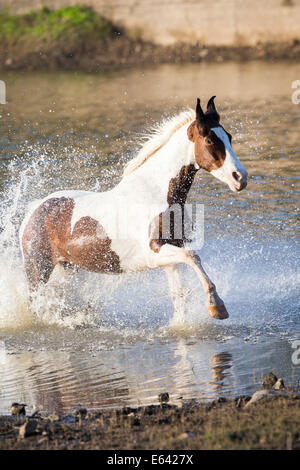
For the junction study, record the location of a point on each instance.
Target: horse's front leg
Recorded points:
(171, 255)
(215, 304)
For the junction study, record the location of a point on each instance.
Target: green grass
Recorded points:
(71, 21)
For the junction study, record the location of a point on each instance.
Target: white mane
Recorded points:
(158, 138)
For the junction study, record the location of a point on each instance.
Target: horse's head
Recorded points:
(213, 151)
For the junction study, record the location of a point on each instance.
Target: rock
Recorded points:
(163, 397)
(81, 414)
(269, 381)
(28, 428)
(53, 417)
(279, 385)
(258, 396)
(18, 409)
(203, 53)
(186, 435)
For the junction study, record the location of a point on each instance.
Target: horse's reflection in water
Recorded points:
(221, 364)
(200, 371)
(60, 381)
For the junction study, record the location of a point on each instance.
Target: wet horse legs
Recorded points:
(176, 292)
(215, 304)
(169, 257)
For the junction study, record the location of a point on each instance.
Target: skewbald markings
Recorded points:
(47, 240)
(177, 194)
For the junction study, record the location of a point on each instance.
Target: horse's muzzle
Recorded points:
(240, 180)
(243, 185)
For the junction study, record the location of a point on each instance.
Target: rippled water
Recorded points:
(99, 340)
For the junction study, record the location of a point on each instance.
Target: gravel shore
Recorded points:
(268, 420)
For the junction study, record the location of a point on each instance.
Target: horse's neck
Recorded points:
(166, 177)
(181, 184)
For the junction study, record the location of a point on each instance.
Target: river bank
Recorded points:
(77, 38)
(270, 422)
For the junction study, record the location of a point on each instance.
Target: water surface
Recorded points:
(99, 340)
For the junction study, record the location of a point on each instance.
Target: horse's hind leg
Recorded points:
(63, 272)
(38, 265)
(176, 293)
(37, 272)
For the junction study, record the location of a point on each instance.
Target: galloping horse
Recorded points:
(79, 227)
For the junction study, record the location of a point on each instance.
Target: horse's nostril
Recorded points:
(237, 176)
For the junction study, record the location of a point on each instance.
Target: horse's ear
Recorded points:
(211, 108)
(199, 113)
(200, 119)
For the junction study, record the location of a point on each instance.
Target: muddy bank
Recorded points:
(91, 56)
(77, 38)
(271, 422)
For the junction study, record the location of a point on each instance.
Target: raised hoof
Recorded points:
(218, 311)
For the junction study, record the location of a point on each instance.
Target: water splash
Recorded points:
(256, 278)
(14, 311)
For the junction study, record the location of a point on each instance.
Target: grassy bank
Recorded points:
(78, 38)
(67, 23)
(270, 423)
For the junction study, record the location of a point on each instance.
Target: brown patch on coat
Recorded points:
(177, 194)
(181, 184)
(47, 240)
(89, 248)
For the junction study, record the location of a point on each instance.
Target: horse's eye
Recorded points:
(208, 141)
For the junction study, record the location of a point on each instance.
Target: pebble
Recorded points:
(53, 417)
(269, 380)
(18, 409)
(81, 413)
(279, 385)
(186, 435)
(258, 396)
(163, 397)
